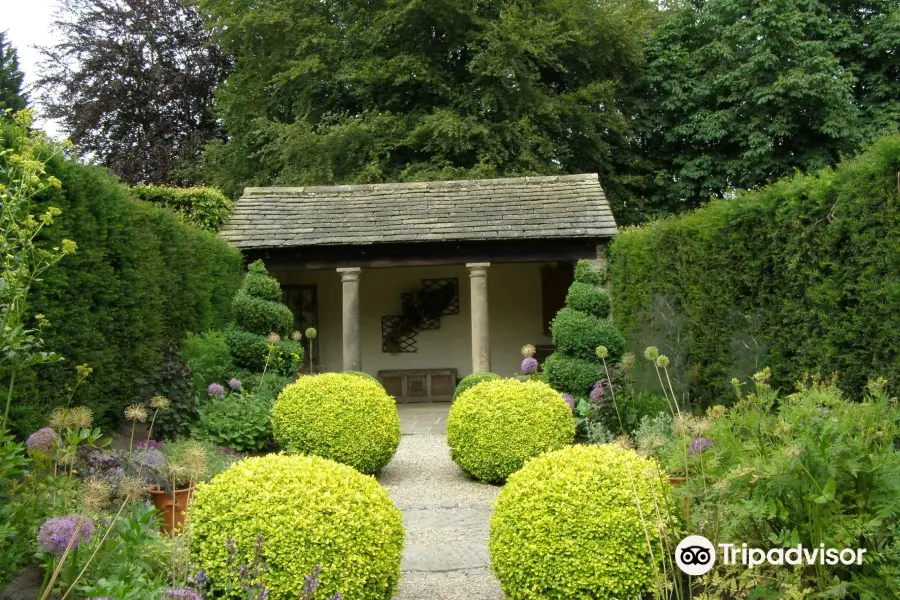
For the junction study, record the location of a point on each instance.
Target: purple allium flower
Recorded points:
(151, 458)
(43, 440)
(147, 444)
(216, 390)
(56, 533)
(235, 384)
(182, 593)
(201, 578)
(569, 400)
(699, 445)
(529, 365)
(598, 393)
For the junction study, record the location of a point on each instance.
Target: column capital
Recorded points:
(478, 269)
(349, 273)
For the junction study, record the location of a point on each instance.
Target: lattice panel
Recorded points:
(393, 339)
(451, 284)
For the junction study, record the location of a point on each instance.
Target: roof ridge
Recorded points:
(422, 185)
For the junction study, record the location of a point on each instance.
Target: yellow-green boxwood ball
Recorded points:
(495, 426)
(341, 416)
(568, 525)
(309, 511)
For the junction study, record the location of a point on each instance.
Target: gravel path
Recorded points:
(446, 517)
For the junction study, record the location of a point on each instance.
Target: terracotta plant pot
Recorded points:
(173, 507)
(676, 481)
(686, 505)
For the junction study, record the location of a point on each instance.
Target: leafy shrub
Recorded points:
(216, 459)
(139, 280)
(237, 421)
(259, 315)
(364, 375)
(253, 352)
(208, 357)
(588, 273)
(173, 380)
(578, 334)
(310, 512)
(588, 298)
(798, 275)
(203, 207)
(567, 525)
(472, 380)
(495, 426)
(576, 374)
(811, 468)
(343, 417)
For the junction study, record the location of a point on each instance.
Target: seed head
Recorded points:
(311, 333)
(651, 353)
(602, 351)
(662, 361)
(160, 402)
(296, 336)
(136, 412)
(528, 350)
(273, 338)
(96, 494)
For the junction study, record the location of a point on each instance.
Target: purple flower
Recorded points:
(235, 384)
(56, 533)
(216, 390)
(43, 440)
(182, 593)
(529, 365)
(598, 393)
(147, 444)
(569, 400)
(699, 445)
(201, 578)
(312, 582)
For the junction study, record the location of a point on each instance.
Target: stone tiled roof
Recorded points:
(567, 206)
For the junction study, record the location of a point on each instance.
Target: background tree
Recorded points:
(347, 92)
(742, 92)
(11, 96)
(132, 83)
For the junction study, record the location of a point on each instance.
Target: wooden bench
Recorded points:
(419, 385)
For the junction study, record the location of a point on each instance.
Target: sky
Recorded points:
(27, 24)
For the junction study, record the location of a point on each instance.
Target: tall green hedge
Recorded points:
(140, 279)
(203, 207)
(802, 274)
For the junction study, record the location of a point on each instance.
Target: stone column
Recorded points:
(481, 343)
(350, 284)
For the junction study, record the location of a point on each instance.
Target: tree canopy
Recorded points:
(395, 90)
(11, 95)
(742, 92)
(131, 82)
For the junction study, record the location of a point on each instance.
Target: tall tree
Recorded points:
(132, 83)
(11, 95)
(741, 92)
(335, 91)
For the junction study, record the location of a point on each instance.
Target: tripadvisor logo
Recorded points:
(696, 555)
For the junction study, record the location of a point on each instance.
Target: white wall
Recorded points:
(514, 291)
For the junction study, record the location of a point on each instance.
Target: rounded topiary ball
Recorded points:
(573, 375)
(344, 417)
(568, 525)
(364, 375)
(589, 298)
(472, 380)
(310, 512)
(494, 427)
(577, 334)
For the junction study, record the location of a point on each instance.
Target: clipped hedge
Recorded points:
(568, 525)
(310, 512)
(577, 335)
(588, 298)
(802, 274)
(203, 207)
(259, 315)
(139, 281)
(496, 426)
(571, 375)
(472, 380)
(340, 416)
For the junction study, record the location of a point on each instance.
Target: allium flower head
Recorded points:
(602, 352)
(56, 534)
(43, 440)
(136, 412)
(598, 393)
(182, 593)
(234, 384)
(529, 365)
(160, 402)
(59, 418)
(132, 488)
(296, 336)
(96, 494)
(81, 417)
(528, 350)
(569, 400)
(216, 390)
(662, 361)
(273, 338)
(311, 333)
(699, 445)
(651, 353)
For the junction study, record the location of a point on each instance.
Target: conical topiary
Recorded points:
(578, 329)
(261, 332)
